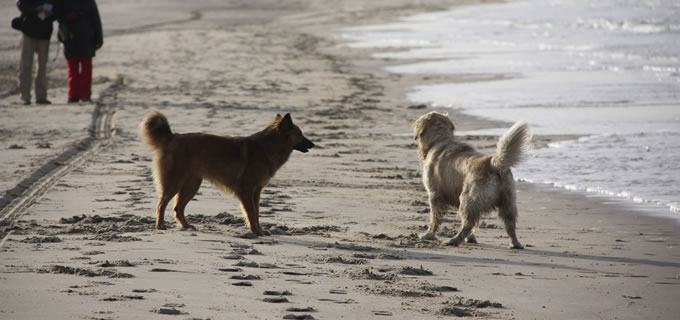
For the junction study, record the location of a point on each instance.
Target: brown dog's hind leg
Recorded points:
(163, 200)
(188, 191)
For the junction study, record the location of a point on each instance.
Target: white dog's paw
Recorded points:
(427, 236)
(455, 241)
(471, 239)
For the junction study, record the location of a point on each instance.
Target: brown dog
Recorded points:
(454, 174)
(241, 166)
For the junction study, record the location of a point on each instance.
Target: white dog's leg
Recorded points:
(509, 215)
(469, 215)
(437, 211)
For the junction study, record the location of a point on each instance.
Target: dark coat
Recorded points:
(32, 25)
(80, 28)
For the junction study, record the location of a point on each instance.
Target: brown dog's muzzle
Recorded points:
(304, 146)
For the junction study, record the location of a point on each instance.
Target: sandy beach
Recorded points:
(77, 237)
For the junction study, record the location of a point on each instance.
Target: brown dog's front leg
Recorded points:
(256, 205)
(250, 212)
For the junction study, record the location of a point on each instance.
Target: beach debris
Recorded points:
(370, 275)
(246, 277)
(340, 259)
(473, 303)
(230, 269)
(346, 301)
(455, 311)
(59, 269)
(299, 316)
(248, 264)
(295, 273)
(16, 146)
(382, 313)
(242, 284)
(41, 240)
(168, 311)
(298, 309)
(114, 238)
(350, 246)
(233, 257)
(244, 251)
(439, 288)
(401, 291)
(382, 236)
(144, 290)
(123, 298)
(119, 263)
(276, 300)
(277, 293)
(163, 270)
(415, 271)
(364, 255)
(43, 145)
(417, 106)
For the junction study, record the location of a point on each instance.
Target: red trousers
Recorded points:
(79, 78)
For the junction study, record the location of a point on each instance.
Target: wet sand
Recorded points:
(76, 226)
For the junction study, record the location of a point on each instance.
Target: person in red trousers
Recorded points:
(80, 29)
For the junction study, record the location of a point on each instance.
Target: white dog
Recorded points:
(454, 174)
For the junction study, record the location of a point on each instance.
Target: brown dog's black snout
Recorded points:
(304, 146)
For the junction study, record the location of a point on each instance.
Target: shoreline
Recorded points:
(635, 191)
(344, 217)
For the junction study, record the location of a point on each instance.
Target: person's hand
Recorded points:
(99, 45)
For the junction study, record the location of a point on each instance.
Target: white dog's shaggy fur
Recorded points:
(454, 174)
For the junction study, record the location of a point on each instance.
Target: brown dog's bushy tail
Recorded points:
(155, 130)
(512, 146)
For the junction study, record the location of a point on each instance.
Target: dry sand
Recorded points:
(76, 226)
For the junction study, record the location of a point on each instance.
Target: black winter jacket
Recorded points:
(32, 25)
(80, 28)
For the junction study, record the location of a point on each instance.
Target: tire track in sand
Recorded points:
(101, 130)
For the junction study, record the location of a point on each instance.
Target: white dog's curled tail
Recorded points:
(512, 146)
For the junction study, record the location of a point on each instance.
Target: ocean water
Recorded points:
(608, 71)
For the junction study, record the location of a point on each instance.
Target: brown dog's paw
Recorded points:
(160, 227)
(516, 246)
(248, 235)
(188, 227)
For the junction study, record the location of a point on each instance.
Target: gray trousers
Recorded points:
(29, 47)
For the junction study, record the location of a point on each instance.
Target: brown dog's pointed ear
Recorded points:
(286, 122)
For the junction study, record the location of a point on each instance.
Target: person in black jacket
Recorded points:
(80, 29)
(37, 17)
